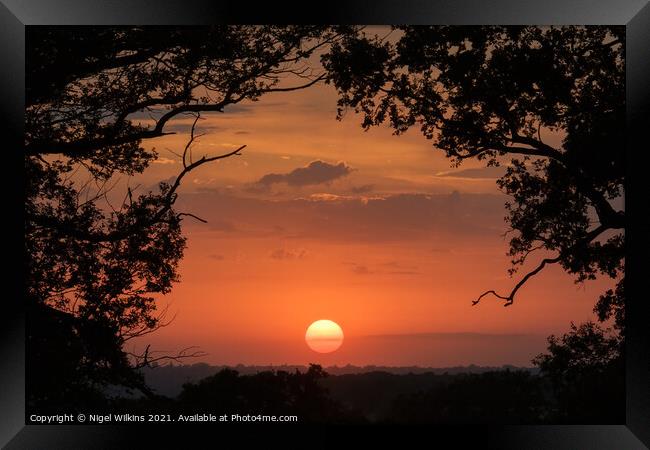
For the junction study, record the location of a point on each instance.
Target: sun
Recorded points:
(324, 336)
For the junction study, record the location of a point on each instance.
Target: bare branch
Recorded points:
(110, 139)
(511, 297)
(144, 329)
(522, 259)
(295, 88)
(145, 359)
(97, 236)
(193, 216)
(590, 236)
(189, 143)
(543, 151)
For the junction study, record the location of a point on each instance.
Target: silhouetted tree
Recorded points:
(586, 368)
(494, 94)
(94, 266)
(500, 397)
(268, 393)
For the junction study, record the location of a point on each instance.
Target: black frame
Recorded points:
(635, 14)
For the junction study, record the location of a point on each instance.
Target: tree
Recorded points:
(495, 94)
(586, 368)
(93, 267)
(500, 397)
(267, 393)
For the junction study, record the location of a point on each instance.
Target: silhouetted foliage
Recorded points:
(277, 393)
(556, 395)
(488, 397)
(494, 94)
(502, 397)
(93, 267)
(373, 393)
(99, 260)
(586, 368)
(59, 345)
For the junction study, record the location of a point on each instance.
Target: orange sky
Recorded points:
(381, 235)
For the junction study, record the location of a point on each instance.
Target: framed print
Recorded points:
(425, 218)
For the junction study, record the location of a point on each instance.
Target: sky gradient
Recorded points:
(318, 219)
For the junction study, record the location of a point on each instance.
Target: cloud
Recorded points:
(327, 197)
(222, 225)
(362, 189)
(185, 126)
(391, 268)
(443, 220)
(397, 265)
(284, 254)
(361, 270)
(251, 106)
(242, 132)
(447, 349)
(456, 335)
(316, 172)
(397, 268)
(155, 187)
(163, 160)
(476, 173)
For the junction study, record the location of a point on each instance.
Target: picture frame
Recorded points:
(15, 15)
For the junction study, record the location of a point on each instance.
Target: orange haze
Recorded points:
(380, 235)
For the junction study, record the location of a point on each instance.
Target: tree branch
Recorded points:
(510, 150)
(145, 359)
(191, 215)
(590, 236)
(542, 148)
(295, 88)
(71, 229)
(511, 297)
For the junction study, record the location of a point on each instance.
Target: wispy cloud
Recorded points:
(284, 254)
(361, 270)
(455, 335)
(474, 173)
(390, 268)
(362, 189)
(164, 161)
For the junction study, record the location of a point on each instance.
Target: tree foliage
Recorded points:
(499, 397)
(269, 392)
(546, 102)
(89, 93)
(496, 94)
(549, 103)
(586, 368)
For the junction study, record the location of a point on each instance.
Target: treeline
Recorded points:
(494, 397)
(168, 379)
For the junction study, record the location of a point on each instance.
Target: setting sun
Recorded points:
(197, 199)
(324, 336)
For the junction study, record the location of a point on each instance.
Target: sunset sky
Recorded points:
(318, 219)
